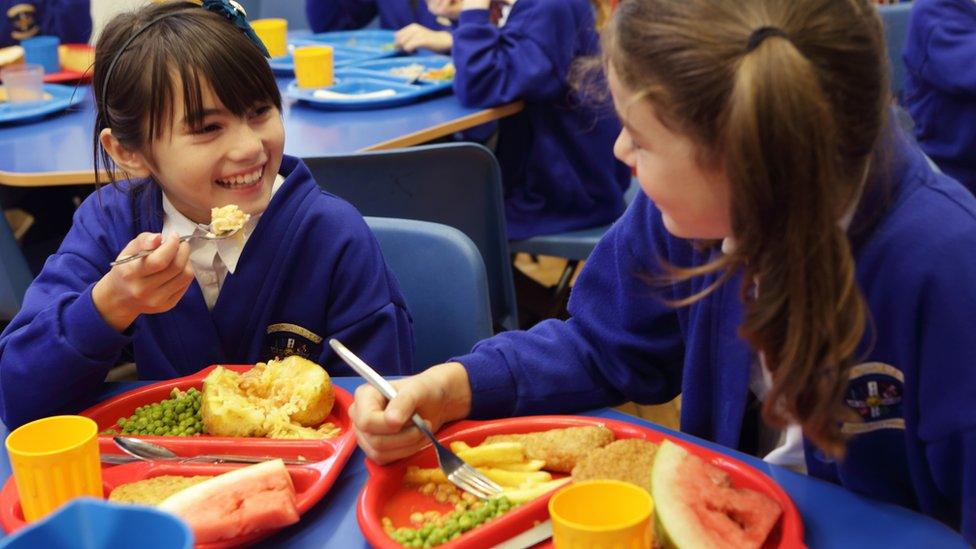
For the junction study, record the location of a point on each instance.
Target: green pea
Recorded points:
(409, 534)
(426, 530)
(465, 523)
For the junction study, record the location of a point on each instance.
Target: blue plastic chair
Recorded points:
(443, 280)
(896, 18)
(456, 184)
(89, 523)
(575, 246)
(15, 275)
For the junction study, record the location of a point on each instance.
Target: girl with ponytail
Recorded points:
(794, 268)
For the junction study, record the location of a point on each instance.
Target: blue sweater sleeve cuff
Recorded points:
(493, 388)
(469, 17)
(87, 332)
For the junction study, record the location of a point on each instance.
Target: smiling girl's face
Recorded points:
(693, 200)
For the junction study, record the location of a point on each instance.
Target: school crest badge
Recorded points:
(283, 339)
(875, 394)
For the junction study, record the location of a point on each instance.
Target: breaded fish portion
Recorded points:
(628, 460)
(561, 449)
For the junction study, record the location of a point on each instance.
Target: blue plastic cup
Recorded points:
(43, 50)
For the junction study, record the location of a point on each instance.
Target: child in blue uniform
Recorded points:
(790, 248)
(940, 92)
(189, 112)
(70, 20)
(557, 169)
(416, 27)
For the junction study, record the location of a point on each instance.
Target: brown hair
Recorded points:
(794, 122)
(183, 40)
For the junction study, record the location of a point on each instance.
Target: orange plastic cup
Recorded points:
(54, 460)
(601, 514)
(273, 33)
(314, 67)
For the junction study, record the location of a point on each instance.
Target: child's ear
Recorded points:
(133, 163)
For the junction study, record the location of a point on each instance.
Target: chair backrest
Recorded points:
(456, 184)
(15, 275)
(895, 18)
(292, 10)
(444, 283)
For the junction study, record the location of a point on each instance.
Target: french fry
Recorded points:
(515, 478)
(527, 466)
(459, 446)
(522, 495)
(419, 476)
(491, 454)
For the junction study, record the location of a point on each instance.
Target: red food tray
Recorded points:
(326, 456)
(386, 495)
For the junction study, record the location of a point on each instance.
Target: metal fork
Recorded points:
(455, 469)
(208, 236)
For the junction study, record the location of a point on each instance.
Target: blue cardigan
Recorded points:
(914, 240)
(940, 91)
(311, 270)
(556, 157)
(69, 20)
(328, 15)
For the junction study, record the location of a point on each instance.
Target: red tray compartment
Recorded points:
(326, 457)
(385, 494)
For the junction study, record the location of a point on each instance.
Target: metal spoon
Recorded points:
(209, 235)
(150, 451)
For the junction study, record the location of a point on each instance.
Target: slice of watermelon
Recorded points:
(243, 501)
(695, 505)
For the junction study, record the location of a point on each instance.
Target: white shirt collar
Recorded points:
(229, 249)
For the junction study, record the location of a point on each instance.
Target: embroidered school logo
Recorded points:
(285, 339)
(23, 21)
(875, 393)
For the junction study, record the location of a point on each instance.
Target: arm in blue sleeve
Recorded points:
(367, 312)
(58, 348)
(526, 59)
(69, 20)
(953, 461)
(621, 343)
(944, 46)
(329, 15)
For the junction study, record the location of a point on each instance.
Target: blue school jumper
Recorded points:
(70, 20)
(329, 15)
(556, 155)
(914, 241)
(311, 270)
(940, 92)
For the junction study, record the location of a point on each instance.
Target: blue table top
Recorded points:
(58, 149)
(832, 517)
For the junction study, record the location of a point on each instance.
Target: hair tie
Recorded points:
(763, 33)
(230, 9)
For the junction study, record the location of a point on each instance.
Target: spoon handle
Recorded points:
(143, 253)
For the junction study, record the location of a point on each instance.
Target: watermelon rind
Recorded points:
(675, 523)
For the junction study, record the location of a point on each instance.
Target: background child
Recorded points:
(416, 26)
(69, 20)
(557, 169)
(841, 297)
(940, 92)
(189, 111)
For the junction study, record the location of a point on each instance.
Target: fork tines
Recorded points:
(473, 481)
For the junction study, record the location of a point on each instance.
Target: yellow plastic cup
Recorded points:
(54, 460)
(273, 33)
(601, 514)
(313, 66)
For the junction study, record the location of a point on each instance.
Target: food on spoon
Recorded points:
(560, 449)
(286, 398)
(226, 219)
(695, 504)
(629, 460)
(152, 491)
(178, 415)
(244, 501)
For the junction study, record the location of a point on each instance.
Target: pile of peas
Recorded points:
(179, 415)
(453, 525)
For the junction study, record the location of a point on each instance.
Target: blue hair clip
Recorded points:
(236, 15)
